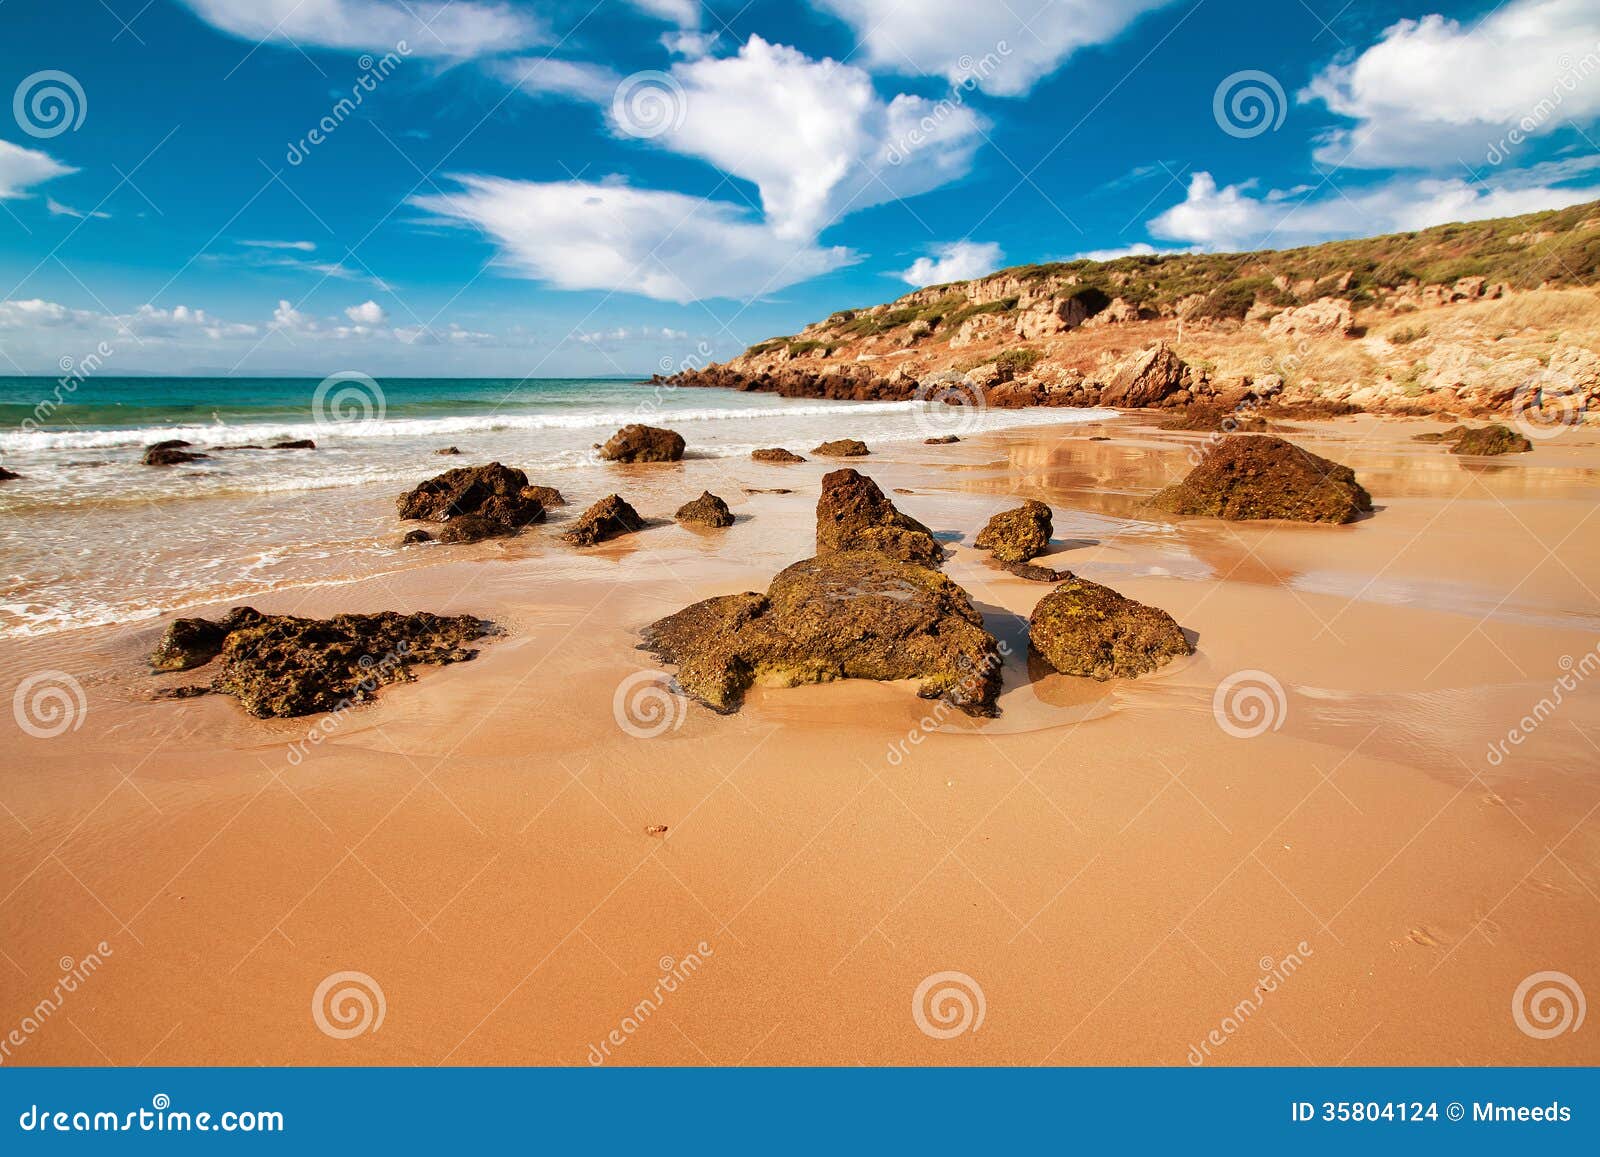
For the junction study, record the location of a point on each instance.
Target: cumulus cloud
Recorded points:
(20, 168)
(1003, 48)
(955, 261)
(683, 13)
(457, 29)
(1234, 217)
(582, 235)
(367, 313)
(287, 317)
(1137, 249)
(1435, 91)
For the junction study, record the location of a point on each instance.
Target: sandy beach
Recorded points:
(544, 857)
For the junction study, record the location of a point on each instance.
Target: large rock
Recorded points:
(1145, 378)
(1083, 628)
(775, 454)
(546, 496)
(284, 665)
(172, 452)
(1251, 476)
(842, 448)
(854, 514)
(848, 615)
(1324, 317)
(637, 443)
(1484, 440)
(707, 510)
(608, 518)
(474, 502)
(1017, 535)
(8, 475)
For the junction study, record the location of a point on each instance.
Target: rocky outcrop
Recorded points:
(294, 444)
(707, 510)
(1083, 628)
(1034, 573)
(8, 475)
(846, 615)
(638, 443)
(775, 454)
(447, 451)
(1146, 378)
(942, 440)
(842, 448)
(173, 452)
(1017, 535)
(1214, 419)
(473, 503)
(1325, 316)
(1484, 440)
(283, 665)
(606, 519)
(853, 514)
(1255, 476)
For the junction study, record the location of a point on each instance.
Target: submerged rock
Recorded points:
(1484, 440)
(942, 440)
(707, 510)
(846, 615)
(1083, 628)
(637, 443)
(775, 454)
(1252, 476)
(854, 514)
(8, 475)
(447, 450)
(842, 448)
(172, 452)
(474, 502)
(1017, 535)
(1035, 573)
(607, 518)
(195, 642)
(294, 444)
(412, 537)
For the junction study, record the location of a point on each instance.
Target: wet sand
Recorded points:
(1121, 878)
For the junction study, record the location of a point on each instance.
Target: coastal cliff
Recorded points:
(1490, 317)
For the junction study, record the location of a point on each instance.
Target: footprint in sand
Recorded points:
(1423, 937)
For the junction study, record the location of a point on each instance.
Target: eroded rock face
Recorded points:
(842, 448)
(173, 452)
(1328, 315)
(474, 502)
(606, 519)
(1017, 535)
(846, 615)
(283, 665)
(1083, 628)
(854, 514)
(638, 443)
(775, 454)
(1145, 378)
(1254, 476)
(1484, 440)
(707, 510)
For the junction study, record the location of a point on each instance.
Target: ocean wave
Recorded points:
(217, 433)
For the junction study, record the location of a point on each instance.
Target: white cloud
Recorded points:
(955, 261)
(1003, 48)
(36, 312)
(1137, 249)
(1433, 91)
(683, 13)
(20, 168)
(813, 136)
(622, 335)
(367, 313)
(567, 78)
(1233, 218)
(581, 235)
(302, 246)
(432, 28)
(287, 317)
(691, 44)
(57, 209)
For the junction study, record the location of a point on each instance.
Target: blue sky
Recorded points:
(552, 188)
